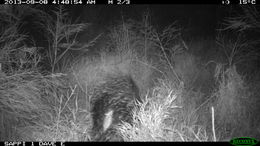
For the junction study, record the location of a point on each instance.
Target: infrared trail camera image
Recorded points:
(129, 73)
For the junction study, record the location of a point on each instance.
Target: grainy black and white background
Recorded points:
(149, 72)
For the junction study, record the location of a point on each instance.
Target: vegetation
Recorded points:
(200, 90)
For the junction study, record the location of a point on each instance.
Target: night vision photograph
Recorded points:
(129, 73)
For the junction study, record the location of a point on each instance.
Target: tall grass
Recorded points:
(15, 56)
(55, 106)
(61, 35)
(34, 103)
(235, 99)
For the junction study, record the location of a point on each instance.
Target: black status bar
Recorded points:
(127, 2)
